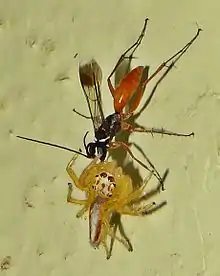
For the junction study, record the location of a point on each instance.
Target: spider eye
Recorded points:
(111, 178)
(103, 174)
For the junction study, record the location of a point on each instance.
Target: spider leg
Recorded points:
(71, 172)
(139, 211)
(70, 199)
(113, 235)
(107, 231)
(118, 205)
(76, 181)
(73, 200)
(73, 175)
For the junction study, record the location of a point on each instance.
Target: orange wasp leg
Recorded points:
(118, 144)
(132, 48)
(128, 127)
(180, 52)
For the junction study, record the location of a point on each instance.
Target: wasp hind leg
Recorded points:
(128, 127)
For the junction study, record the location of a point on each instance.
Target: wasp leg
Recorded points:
(117, 144)
(80, 114)
(132, 48)
(128, 127)
(174, 57)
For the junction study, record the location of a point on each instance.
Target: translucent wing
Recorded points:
(90, 75)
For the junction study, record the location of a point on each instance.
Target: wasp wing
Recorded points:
(90, 75)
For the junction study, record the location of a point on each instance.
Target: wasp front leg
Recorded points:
(130, 51)
(128, 127)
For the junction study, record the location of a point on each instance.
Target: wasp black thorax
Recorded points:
(103, 136)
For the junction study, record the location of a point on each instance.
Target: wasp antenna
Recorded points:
(51, 145)
(84, 139)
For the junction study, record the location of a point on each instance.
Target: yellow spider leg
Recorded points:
(137, 193)
(108, 231)
(87, 203)
(71, 172)
(70, 199)
(73, 175)
(81, 212)
(139, 211)
(91, 164)
(116, 205)
(103, 242)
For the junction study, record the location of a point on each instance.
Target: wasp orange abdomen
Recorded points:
(126, 88)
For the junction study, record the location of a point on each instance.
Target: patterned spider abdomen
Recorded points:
(104, 184)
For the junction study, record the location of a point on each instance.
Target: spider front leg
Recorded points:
(73, 175)
(128, 127)
(71, 172)
(70, 199)
(76, 181)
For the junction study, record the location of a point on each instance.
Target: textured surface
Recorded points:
(38, 41)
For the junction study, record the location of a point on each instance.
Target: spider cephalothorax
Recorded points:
(104, 184)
